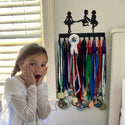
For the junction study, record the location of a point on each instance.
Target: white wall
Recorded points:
(110, 14)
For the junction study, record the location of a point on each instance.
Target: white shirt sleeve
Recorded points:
(26, 107)
(43, 106)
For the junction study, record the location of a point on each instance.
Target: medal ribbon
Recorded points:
(65, 65)
(88, 69)
(104, 61)
(74, 40)
(80, 68)
(76, 76)
(69, 65)
(83, 48)
(74, 49)
(59, 55)
(95, 62)
(98, 79)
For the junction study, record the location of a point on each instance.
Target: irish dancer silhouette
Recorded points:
(69, 21)
(94, 22)
(86, 20)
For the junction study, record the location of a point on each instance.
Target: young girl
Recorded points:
(26, 93)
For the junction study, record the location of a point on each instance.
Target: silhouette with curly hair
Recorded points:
(94, 22)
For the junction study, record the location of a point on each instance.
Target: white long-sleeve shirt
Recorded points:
(27, 106)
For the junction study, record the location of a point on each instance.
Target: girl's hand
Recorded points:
(28, 76)
(42, 76)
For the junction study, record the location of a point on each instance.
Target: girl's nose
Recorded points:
(39, 69)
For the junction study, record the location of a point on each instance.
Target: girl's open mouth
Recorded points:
(37, 77)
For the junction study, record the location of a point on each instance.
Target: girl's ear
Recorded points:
(20, 66)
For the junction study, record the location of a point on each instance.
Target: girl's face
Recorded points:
(36, 64)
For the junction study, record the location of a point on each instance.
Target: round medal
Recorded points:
(80, 107)
(74, 39)
(61, 104)
(74, 101)
(97, 103)
(70, 92)
(84, 103)
(67, 102)
(61, 95)
(90, 105)
(102, 107)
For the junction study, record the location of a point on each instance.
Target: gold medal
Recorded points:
(61, 95)
(102, 107)
(75, 100)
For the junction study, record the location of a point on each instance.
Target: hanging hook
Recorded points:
(104, 38)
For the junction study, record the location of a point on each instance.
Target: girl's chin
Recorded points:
(37, 80)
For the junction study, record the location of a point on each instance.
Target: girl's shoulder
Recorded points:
(14, 86)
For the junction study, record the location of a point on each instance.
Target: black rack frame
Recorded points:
(98, 34)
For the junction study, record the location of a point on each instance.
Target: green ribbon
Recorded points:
(88, 74)
(59, 56)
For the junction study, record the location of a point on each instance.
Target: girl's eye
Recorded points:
(43, 65)
(32, 64)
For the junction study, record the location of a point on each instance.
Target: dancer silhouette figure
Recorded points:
(94, 22)
(69, 21)
(86, 20)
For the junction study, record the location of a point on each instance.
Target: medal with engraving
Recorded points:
(97, 103)
(74, 101)
(79, 107)
(102, 107)
(70, 92)
(61, 95)
(61, 104)
(90, 104)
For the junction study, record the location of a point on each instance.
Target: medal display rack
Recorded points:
(81, 76)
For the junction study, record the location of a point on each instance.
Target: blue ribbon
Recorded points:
(95, 63)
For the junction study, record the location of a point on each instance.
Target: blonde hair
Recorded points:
(25, 52)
